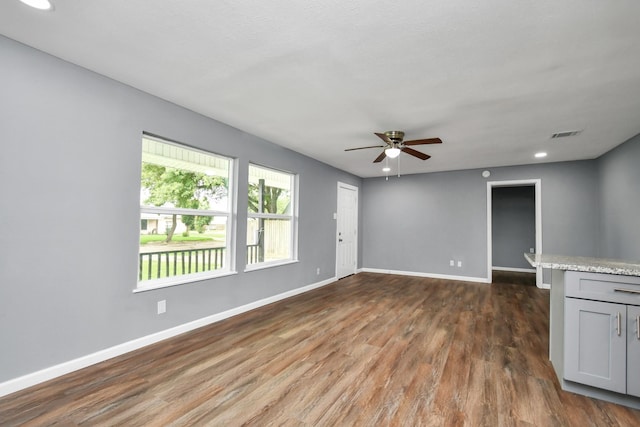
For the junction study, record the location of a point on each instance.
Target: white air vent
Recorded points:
(565, 134)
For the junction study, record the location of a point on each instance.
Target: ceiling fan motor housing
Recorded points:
(396, 136)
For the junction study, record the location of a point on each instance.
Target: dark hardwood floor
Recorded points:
(513, 278)
(369, 350)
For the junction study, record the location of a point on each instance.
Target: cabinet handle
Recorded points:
(629, 291)
(638, 327)
(619, 323)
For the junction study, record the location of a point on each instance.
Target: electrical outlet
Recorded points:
(531, 250)
(459, 263)
(162, 306)
(451, 263)
(318, 271)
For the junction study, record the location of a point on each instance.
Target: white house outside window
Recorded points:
(271, 217)
(185, 221)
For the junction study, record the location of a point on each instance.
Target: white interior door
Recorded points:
(347, 230)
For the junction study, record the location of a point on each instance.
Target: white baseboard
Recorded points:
(430, 275)
(545, 286)
(515, 270)
(46, 374)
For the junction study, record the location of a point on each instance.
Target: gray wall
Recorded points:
(513, 226)
(69, 217)
(69, 179)
(418, 223)
(620, 201)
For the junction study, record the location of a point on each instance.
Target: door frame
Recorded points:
(537, 183)
(355, 255)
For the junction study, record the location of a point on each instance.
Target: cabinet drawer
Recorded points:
(603, 287)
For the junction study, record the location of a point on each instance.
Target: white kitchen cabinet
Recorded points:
(633, 351)
(596, 344)
(587, 354)
(602, 333)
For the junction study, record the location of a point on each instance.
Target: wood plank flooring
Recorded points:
(369, 350)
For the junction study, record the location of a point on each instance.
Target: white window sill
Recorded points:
(263, 265)
(150, 285)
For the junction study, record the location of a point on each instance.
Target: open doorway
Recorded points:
(514, 226)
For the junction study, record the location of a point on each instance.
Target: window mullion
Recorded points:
(269, 216)
(181, 211)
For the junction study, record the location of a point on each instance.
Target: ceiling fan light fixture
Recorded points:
(392, 153)
(39, 4)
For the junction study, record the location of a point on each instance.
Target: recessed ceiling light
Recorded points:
(540, 155)
(39, 4)
(386, 169)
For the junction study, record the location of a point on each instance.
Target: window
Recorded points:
(185, 205)
(271, 219)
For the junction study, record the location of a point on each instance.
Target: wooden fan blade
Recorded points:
(415, 153)
(424, 141)
(383, 137)
(380, 157)
(362, 148)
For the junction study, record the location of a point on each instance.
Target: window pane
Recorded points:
(269, 191)
(270, 219)
(179, 177)
(177, 180)
(268, 240)
(198, 244)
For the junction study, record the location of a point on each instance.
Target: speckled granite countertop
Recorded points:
(578, 263)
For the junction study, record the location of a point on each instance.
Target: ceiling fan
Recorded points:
(395, 145)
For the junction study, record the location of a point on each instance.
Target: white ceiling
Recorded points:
(494, 78)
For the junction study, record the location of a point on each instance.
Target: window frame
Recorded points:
(292, 217)
(228, 267)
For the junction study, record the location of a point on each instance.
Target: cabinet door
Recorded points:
(633, 350)
(595, 344)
